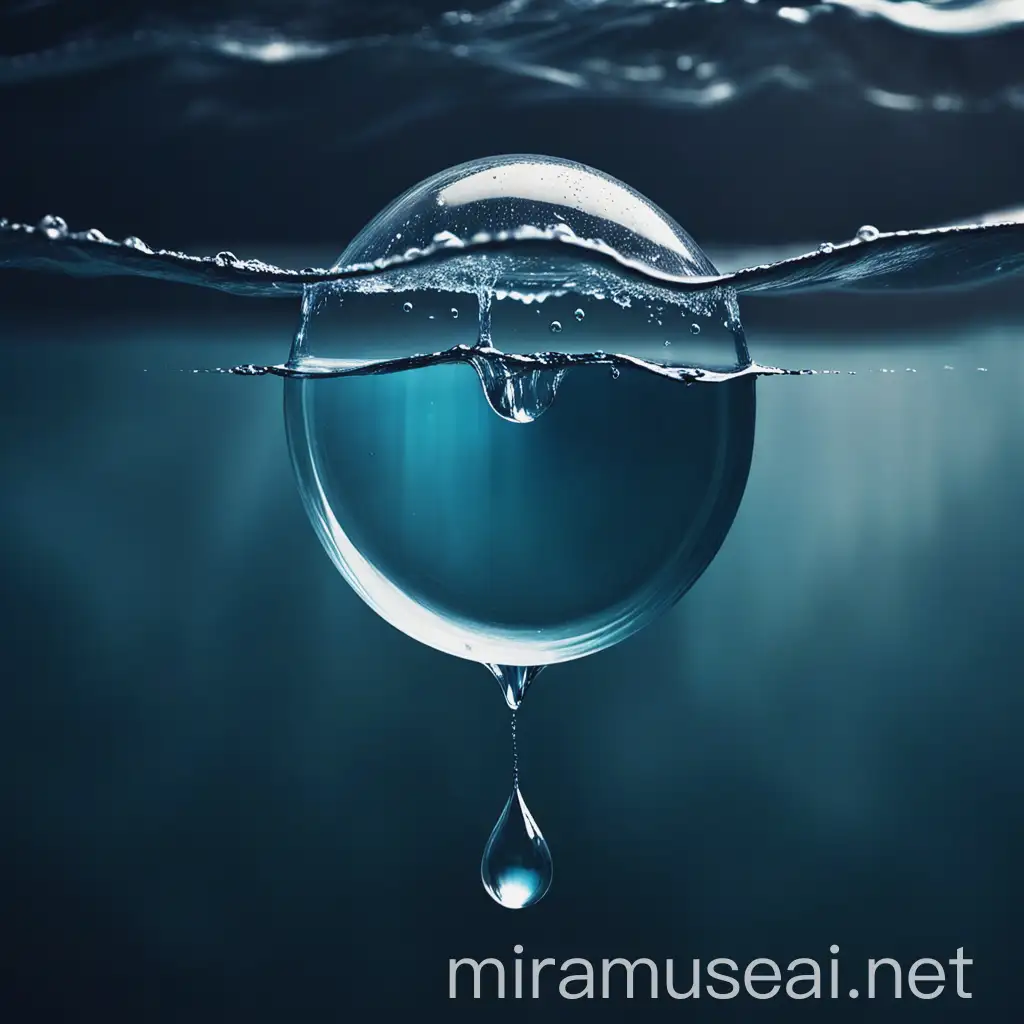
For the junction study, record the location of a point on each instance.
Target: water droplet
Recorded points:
(53, 227)
(867, 233)
(514, 681)
(579, 314)
(615, 373)
(555, 327)
(516, 866)
(407, 307)
(826, 247)
(667, 343)
(695, 328)
(134, 242)
(516, 394)
(455, 313)
(95, 235)
(225, 259)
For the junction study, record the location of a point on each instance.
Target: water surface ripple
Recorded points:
(909, 260)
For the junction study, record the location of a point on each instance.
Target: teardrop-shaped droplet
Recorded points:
(516, 866)
(515, 393)
(514, 680)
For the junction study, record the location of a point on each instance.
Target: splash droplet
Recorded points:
(615, 373)
(53, 227)
(407, 307)
(134, 242)
(455, 313)
(695, 328)
(826, 247)
(225, 259)
(579, 314)
(867, 233)
(555, 327)
(516, 866)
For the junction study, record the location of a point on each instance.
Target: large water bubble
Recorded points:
(520, 540)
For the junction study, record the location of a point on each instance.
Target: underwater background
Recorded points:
(232, 792)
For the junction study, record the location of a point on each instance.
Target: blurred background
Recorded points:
(232, 792)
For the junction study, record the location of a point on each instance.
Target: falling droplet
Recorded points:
(695, 328)
(615, 373)
(516, 865)
(53, 227)
(407, 307)
(455, 313)
(225, 259)
(555, 327)
(867, 233)
(579, 314)
(826, 247)
(514, 680)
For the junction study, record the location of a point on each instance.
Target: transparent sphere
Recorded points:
(521, 197)
(521, 543)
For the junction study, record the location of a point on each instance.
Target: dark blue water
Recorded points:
(225, 767)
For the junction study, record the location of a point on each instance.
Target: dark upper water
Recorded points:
(234, 792)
